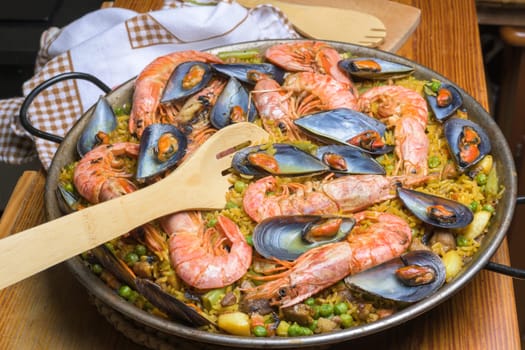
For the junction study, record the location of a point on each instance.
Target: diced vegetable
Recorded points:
(213, 298)
(491, 188)
(478, 225)
(236, 323)
(453, 264)
(282, 329)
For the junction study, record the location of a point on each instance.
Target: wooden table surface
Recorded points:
(52, 311)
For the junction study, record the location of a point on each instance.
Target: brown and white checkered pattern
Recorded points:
(144, 30)
(56, 109)
(15, 148)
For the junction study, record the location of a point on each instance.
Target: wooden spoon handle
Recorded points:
(196, 184)
(33, 250)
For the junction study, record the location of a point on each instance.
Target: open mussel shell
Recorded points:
(287, 237)
(241, 71)
(161, 147)
(445, 101)
(187, 79)
(115, 265)
(344, 125)
(374, 68)
(276, 159)
(232, 105)
(67, 201)
(169, 304)
(102, 122)
(467, 141)
(435, 210)
(344, 159)
(383, 282)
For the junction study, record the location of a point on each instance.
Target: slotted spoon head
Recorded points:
(199, 183)
(329, 23)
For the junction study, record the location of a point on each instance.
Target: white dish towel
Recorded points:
(114, 45)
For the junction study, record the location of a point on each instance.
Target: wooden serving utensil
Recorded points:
(198, 183)
(329, 23)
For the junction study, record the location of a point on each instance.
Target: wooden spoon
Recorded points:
(198, 183)
(329, 23)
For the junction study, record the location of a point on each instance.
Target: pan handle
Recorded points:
(504, 269)
(31, 96)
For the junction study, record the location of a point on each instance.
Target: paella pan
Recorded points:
(502, 202)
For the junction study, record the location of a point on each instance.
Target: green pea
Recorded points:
(306, 331)
(481, 179)
(294, 330)
(313, 325)
(133, 296)
(126, 108)
(212, 222)
(118, 111)
(489, 208)
(239, 186)
(131, 258)
(326, 310)
(140, 250)
(461, 241)
(434, 85)
(230, 205)
(340, 308)
(96, 268)
(434, 162)
(310, 301)
(346, 320)
(317, 310)
(249, 240)
(474, 206)
(124, 291)
(68, 186)
(260, 331)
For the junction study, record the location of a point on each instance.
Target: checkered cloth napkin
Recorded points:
(114, 45)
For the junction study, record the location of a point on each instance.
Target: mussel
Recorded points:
(149, 289)
(435, 210)
(241, 71)
(67, 200)
(407, 279)
(276, 159)
(169, 304)
(374, 68)
(467, 141)
(287, 237)
(445, 101)
(187, 78)
(348, 160)
(102, 122)
(161, 147)
(348, 127)
(232, 105)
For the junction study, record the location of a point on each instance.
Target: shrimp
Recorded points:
(101, 174)
(356, 192)
(288, 199)
(407, 111)
(347, 194)
(273, 106)
(318, 92)
(376, 238)
(309, 56)
(206, 257)
(151, 83)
